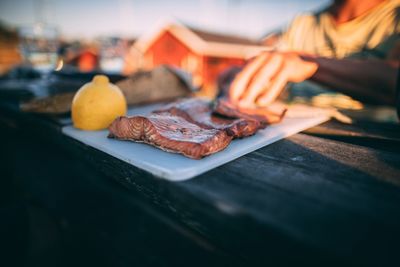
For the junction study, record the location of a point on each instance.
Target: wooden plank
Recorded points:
(369, 134)
(98, 220)
(307, 197)
(385, 131)
(321, 207)
(306, 190)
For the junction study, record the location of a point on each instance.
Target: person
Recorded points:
(351, 46)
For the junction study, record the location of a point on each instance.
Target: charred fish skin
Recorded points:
(170, 133)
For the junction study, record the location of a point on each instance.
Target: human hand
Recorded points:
(264, 78)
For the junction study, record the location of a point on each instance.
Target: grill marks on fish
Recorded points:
(170, 133)
(192, 127)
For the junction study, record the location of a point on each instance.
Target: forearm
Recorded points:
(372, 81)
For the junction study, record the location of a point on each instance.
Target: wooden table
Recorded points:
(327, 196)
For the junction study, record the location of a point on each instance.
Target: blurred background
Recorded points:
(98, 34)
(85, 20)
(202, 38)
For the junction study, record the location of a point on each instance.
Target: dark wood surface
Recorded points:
(328, 196)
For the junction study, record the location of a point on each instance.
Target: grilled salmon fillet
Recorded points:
(193, 127)
(201, 113)
(170, 133)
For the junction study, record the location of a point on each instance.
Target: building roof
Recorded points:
(203, 42)
(223, 38)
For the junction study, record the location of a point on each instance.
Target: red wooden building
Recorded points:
(204, 54)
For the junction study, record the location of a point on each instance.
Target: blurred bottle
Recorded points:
(39, 45)
(112, 54)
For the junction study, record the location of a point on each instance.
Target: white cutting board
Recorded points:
(175, 167)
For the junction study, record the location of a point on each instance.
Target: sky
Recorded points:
(130, 18)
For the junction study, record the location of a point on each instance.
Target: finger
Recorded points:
(262, 80)
(241, 81)
(275, 88)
